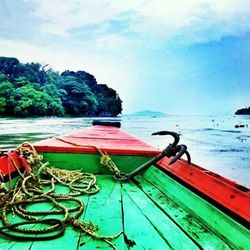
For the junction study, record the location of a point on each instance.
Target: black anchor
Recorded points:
(172, 150)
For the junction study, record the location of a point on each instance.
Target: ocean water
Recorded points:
(212, 140)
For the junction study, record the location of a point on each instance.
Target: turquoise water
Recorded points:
(213, 141)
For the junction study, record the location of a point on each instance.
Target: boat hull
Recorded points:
(166, 207)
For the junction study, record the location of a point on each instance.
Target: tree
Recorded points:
(26, 100)
(109, 101)
(3, 77)
(35, 73)
(82, 77)
(244, 111)
(6, 88)
(9, 66)
(78, 98)
(29, 89)
(2, 105)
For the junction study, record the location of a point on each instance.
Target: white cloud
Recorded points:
(117, 52)
(191, 20)
(194, 20)
(62, 15)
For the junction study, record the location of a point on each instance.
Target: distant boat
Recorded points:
(144, 203)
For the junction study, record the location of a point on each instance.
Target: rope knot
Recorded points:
(107, 162)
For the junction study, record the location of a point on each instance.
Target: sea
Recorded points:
(214, 141)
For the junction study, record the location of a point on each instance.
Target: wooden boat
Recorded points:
(162, 206)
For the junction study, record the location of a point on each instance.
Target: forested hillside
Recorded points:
(244, 111)
(31, 89)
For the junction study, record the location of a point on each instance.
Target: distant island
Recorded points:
(244, 111)
(148, 113)
(31, 89)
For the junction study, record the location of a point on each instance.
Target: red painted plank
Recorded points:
(101, 132)
(109, 139)
(6, 163)
(234, 197)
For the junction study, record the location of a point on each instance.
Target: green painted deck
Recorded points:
(154, 213)
(91, 162)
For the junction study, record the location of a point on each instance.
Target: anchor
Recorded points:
(172, 150)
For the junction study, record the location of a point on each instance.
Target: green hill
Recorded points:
(31, 89)
(244, 111)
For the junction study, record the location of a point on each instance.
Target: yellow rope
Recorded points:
(29, 152)
(105, 160)
(30, 189)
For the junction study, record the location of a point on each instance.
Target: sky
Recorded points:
(182, 56)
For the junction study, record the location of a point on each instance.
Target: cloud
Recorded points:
(190, 21)
(131, 45)
(60, 16)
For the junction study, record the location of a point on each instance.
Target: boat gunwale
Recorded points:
(220, 200)
(235, 212)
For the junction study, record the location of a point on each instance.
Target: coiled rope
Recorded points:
(32, 187)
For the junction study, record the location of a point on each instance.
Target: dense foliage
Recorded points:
(244, 111)
(31, 90)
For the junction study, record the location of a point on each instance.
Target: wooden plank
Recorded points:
(164, 226)
(232, 233)
(68, 241)
(111, 140)
(105, 210)
(6, 166)
(19, 245)
(71, 237)
(194, 228)
(6, 244)
(225, 192)
(139, 231)
(91, 162)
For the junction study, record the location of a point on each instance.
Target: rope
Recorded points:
(30, 189)
(105, 159)
(60, 227)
